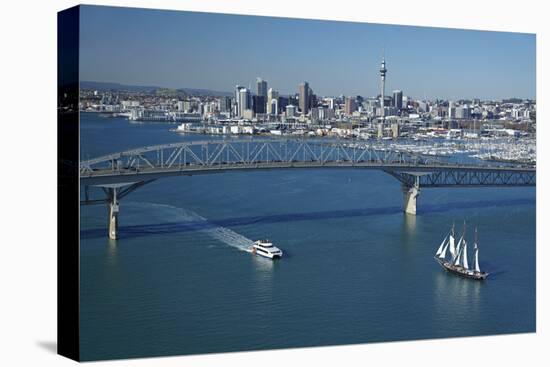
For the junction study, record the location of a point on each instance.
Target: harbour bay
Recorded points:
(356, 268)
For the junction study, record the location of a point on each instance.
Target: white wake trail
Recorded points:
(225, 235)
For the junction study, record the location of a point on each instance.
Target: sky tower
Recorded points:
(383, 71)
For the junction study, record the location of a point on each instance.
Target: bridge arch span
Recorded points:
(120, 173)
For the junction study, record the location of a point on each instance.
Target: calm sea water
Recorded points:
(356, 268)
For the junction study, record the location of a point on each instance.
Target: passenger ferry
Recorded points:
(265, 248)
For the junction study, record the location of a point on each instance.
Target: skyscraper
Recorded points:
(237, 98)
(259, 104)
(350, 106)
(303, 90)
(244, 101)
(290, 110)
(398, 99)
(261, 87)
(225, 104)
(274, 108)
(383, 71)
(271, 95)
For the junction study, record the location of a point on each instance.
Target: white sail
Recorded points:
(440, 250)
(444, 252)
(476, 258)
(452, 246)
(459, 243)
(465, 256)
(458, 248)
(457, 257)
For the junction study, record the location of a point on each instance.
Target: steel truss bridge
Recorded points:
(119, 174)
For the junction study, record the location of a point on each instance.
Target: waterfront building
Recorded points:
(129, 104)
(303, 91)
(395, 130)
(248, 114)
(179, 106)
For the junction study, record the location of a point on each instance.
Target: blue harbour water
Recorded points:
(356, 268)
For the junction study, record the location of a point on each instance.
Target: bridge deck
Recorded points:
(129, 175)
(204, 157)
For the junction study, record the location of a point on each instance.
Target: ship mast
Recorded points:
(452, 249)
(476, 253)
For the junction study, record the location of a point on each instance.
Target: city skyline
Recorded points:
(422, 62)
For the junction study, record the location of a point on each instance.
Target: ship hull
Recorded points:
(460, 271)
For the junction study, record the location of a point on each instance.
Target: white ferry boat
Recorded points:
(265, 248)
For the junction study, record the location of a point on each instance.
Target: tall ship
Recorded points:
(457, 259)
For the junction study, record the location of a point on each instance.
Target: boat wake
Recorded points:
(189, 217)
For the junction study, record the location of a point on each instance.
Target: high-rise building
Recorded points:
(261, 87)
(330, 102)
(350, 106)
(312, 99)
(290, 110)
(462, 112)
(244, 101)
(237, 100)
(383, 71)
(283, 102)
(423, 106)
(258, 104)
(318, 114)
(225, 104)
(452, 110)
(274, 106)
(303, 90)
(271, 95)
(398, 99)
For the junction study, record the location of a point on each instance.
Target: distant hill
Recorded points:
(106, 86)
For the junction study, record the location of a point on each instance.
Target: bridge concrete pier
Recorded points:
(410, 194)
(113, 213)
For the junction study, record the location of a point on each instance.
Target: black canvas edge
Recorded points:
(68, 196)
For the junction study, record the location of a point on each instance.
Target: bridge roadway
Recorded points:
(121, 173)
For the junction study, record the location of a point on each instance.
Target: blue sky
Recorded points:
(217, 51)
